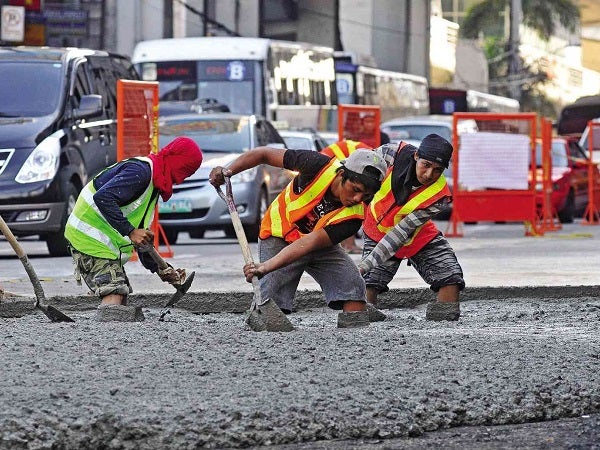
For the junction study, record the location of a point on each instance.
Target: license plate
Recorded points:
(180, 205)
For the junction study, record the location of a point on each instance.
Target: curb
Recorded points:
(238, 302)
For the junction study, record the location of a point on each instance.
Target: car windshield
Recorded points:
(298, 143)
(30, 89)
(559, 155)
(211, 134)
(417, 132)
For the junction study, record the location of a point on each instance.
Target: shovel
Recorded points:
(264, 315)
(181, 289)
(40, 299)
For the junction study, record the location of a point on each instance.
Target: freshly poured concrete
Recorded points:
(205, 380)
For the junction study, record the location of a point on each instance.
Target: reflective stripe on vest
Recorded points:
(383, 213)
(289, 207)
(342, 149)
(88, 231)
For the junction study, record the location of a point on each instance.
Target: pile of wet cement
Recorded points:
(206, 381)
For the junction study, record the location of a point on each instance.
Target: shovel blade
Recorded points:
(181, 290)
(54, 314)
(268, 317)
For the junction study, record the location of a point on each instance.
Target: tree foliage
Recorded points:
(540, 15)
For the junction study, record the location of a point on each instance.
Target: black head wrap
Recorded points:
(435, 148)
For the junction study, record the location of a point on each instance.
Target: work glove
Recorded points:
(171, 275)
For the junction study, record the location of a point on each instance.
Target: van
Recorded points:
(58, 109)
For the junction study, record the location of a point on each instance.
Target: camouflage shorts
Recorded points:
(102, 276)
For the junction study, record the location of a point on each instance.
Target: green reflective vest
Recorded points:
(88, 231)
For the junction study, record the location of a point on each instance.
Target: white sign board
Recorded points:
(493, 161)
(13, 23)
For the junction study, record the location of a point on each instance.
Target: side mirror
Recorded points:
(89, 106)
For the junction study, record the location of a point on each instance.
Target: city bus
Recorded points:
(279, 80)
(449, 101)
(398, 94)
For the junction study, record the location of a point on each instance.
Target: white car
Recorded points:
(303, 140)
(413, 129)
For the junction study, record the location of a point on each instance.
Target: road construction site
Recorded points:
(525, 350)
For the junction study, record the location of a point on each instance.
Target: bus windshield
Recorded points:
(30, 89)
(230, 83)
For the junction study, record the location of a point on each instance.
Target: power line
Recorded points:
(206, 19)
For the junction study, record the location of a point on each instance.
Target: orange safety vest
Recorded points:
(342, 149)
(289, 207)
(383, 213)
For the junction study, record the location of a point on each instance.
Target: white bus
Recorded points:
(484, 102)
(398, 94)
(280, 80)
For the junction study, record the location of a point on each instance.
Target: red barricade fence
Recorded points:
(591, 216)
(137, 134)
(494, 171)
(548, 216)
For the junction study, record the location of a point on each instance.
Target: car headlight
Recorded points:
(246, 176)
(43, 162)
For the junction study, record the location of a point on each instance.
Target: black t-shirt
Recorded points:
(308, 164)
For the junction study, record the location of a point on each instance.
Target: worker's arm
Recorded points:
(399, 235)
(312, 241)
(249, 159)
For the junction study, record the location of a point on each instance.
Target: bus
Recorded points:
(279, 80)
(449, 101)
(398, 94)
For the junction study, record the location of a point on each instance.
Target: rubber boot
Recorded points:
(440, 311)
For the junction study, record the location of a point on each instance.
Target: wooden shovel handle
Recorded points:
(35, 281)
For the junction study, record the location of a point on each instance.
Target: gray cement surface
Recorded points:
(205, 381)
(520, 369)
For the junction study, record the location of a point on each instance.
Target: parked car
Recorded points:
(584, 141)
(195, 206)
(303, 140)
(569, 196)
(58, 129)
(330, 137)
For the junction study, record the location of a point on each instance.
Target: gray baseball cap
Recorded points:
(361, 159)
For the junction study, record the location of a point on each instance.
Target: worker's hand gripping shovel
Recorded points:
(264, 314)
(182, 286)
(40, 299)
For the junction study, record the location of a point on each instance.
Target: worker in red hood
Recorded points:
(112, 216)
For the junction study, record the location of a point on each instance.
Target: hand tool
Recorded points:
(181, 289)
(264, 314)
(40, 299)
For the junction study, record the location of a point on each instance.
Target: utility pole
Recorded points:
(514, 63)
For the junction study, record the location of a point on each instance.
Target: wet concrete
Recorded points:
(203, 380)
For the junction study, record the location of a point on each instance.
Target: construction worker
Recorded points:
(398, 225)
(319, 208)
(341, 150)
(112, 215)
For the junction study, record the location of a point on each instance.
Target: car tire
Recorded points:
(253, 230)
(197, 233)
(567, 214)
(56, 242)
(171, 236)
